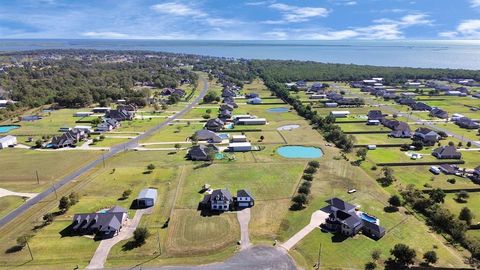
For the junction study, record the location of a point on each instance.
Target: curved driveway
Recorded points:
(113, 151)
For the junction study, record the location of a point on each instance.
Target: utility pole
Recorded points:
(319, 253)
(36, 174)
(28, 246)
(158, 240)
(103, 160)
(55, 190)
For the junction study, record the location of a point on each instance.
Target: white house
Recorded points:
(456, 116)
(8, 141)
(331, 104)
(318, 96)
(240, 146)
(339, 114)
(238, 138)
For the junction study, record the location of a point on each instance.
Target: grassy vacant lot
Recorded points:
(379, 139)
(472, 202)
(9, 203)
(19, 166)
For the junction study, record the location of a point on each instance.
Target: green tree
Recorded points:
(177, 146)
(140, 235)
(462, 196)
(64, 204)
(376, 253)
(370, 266)
(403, 254)
(38, 143)
(362, 153)
(300, 199)
(22, 240)
(74, 198)
(126, 193)
(437, 195)
(430, 257)
(48, 218)
(314, 164)
(210, 97)
(151, 167)
(395, 201)
(466, 215)
(304, 190)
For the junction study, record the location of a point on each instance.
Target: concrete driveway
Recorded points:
(318, 217)
(243, 217)
(6, 192)
(101, 254)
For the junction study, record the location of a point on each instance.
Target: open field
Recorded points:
(9, 203)
(19, 167)
(472, 203)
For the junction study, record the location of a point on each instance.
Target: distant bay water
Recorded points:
(428, 54)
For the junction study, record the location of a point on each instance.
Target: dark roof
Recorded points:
(220, 195)
(340, 204)
(106, 221)
(207, 135)
(448, 168)
(446, 152)
(375, 115)
(200, 152)
(424, 130)
(244, 193)
(377, 229)
(351, 220)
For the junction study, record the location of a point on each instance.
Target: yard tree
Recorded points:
(376, 254)
(307, 177)
(437, 195)
(177, 146)
(310, 170)
(151, 167)
(395, 201)
(370, 266)
(22, 240)
(64, 204)
(300, 199)
(74, 198)
(140, 235)
(209, 111)
(362, 153)
(314, 163)
(403, 254)
(462, 196)
(430, 257)
(211, 96)
(38, 143)
(48, 218)
(469, 144)
(262, 138)
(126, 193)
(306, 184)
(466, 215)
(304, 190)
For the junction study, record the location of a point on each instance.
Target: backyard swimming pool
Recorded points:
(7, 128)
(229, 126)
(368, 218)
(300, 152)
(278, 110)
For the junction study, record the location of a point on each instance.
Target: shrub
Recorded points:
(310, 170)
(314, 163)
(64, 204)
(430, 257)
(304, 190)
(74, 198)
(307, 177)
(395, 201)
(306, 184)
(126, 193)
(151, 167)
(206, 116)
(452, 181)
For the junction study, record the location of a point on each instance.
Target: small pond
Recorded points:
(300, 152)
(278, 110)
(7, 128)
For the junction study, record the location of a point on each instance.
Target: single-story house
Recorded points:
(225, 114)
(399, 129)
(331, 104)
(227, 106)
(202, 152)
(426, 135)
(251, 95)
(448, 168)
(339, 114)
(244, 199)
(69, 138)
(420, 106)
(120, 115)
(317, 96)
(256, 100)
(208, 136)
(105, 224)
(86, 129)
(251, 121)
(173, 91)
(439, 113)
(447, 152)
(107, 125)
(240, 146)
(215, 124)
(8, 141)
(375, 115)
(146, 198)
(406, 101)
(465, 122)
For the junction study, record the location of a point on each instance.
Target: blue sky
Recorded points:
(248, 20)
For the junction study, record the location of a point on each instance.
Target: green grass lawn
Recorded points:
(9, 203)
(472, 202)
(19, 167)
(379, 139)
(107, 142)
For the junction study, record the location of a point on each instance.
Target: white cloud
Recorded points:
(293, 14)
(331, 35)
(112, 35)
(475, 3)
(468, 29)
(178, 9)
(408, 20)
(276, 35)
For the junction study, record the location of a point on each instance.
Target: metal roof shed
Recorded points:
(147, 197)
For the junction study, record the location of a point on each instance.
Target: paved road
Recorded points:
(100, 257)
(409, 116)
(131, 144)
(254, 258)
(318, 217)
(243, 217)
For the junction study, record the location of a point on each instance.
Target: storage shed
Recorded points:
(8, 141)
(147, 198)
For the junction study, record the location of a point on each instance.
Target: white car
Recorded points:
(352, 191)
